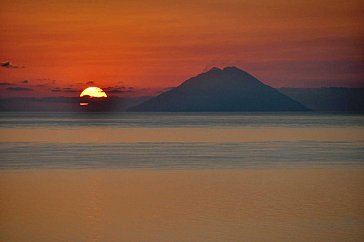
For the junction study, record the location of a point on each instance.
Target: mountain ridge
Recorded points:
(220, 90)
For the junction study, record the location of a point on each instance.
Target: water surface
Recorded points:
(181, 177)
(179, 140)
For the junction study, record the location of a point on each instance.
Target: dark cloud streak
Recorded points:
(5, 84)
(65, 90)
(18, 89)
(7, 64)
(118, 89)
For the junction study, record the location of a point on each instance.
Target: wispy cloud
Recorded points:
(65, 89)
(118, 89)
(19, 89)
(5, 84)
(45, 82)
(8, 64)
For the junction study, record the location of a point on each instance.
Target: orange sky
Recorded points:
(148, 45)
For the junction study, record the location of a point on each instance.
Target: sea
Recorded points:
(180, 140)
(181, 177)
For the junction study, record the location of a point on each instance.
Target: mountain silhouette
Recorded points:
(221, 90)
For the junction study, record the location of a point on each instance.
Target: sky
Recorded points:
(139, 47)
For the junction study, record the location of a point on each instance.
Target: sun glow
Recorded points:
(93, 92)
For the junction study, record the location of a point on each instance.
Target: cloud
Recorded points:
(25, 81)
(7, 64)
(90, 82)
(19, 89)
(119, 89)
(64, 89)
(45, 82)
(5, 84)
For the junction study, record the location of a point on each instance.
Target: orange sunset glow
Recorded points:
(146, 46)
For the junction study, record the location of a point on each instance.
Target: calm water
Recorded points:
(104, 140)
(189, 191)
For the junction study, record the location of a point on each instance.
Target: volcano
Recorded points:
(221, 90)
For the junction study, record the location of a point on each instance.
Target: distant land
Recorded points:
(221, 90)
(328, 99)
(229, 90)
(64, 104)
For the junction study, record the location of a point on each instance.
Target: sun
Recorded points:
(93, 92)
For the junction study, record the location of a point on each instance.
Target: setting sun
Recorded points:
(93, 92)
